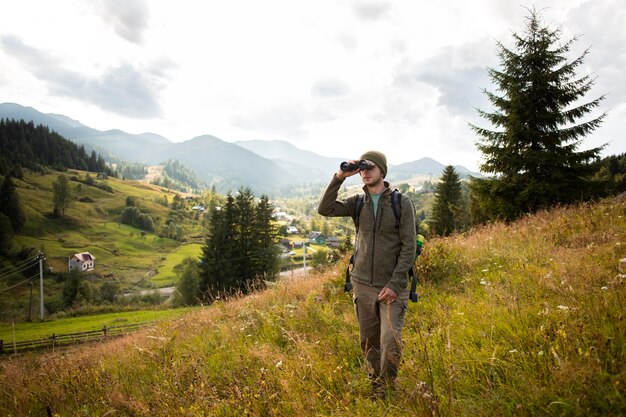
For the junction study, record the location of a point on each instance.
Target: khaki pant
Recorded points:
(380, 327)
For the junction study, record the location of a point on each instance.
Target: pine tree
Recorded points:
(10, 204)
(6, 234)
(533, 153)
(247, 257)
(240, 248)
(217, 273)
(447, 208)
(265, 240)
(62, 195)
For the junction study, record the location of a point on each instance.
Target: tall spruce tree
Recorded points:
(10, 204)
(247, 257)
(447, 211)
(240, 251)
(534, 154)
(217, 272)
(265, 240)
(62, 195)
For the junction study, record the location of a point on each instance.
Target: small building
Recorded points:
(102, 176)
(286, 244)
(333, 242)
(82, 262)
(292, 230)
(279, 215)
(297, 245)
(317, 237)
(198, 208)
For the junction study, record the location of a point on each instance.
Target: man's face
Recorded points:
(371, 177)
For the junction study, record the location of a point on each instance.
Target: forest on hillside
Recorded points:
(22, 144)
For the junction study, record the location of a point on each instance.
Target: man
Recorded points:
(383, 256)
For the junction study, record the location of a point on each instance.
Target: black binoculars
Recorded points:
(363, 165)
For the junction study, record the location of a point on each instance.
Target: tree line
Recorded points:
(22, 144)
(240, 251)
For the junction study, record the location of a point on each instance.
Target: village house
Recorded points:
(285, 244)
(292, 230)
(333, 242)
(317, 238)
(82, 262)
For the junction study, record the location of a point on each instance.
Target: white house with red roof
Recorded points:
(82, 262)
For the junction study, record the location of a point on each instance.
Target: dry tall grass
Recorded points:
(513, 320)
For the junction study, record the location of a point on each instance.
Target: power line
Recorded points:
(17, 285)
(17, 265)
(24, 268)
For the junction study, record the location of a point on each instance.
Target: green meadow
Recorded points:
(18, 332)
(123, 252)
(166, 275)
(520, 319)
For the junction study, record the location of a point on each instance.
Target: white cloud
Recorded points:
(371, 10)
(129, 18)
(331, 76)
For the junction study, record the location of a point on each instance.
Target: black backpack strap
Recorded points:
(413, 292)
(348, 285)
(360, 201)
(396, 205)
(357, 213)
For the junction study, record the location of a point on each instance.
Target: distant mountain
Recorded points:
(305, 165)
(63, 125)
(148, 148)
(285, 153)
(136, 148)
(264, 166)
(427, 166)
(228, 166)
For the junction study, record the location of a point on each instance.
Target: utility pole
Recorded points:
(41, 259)
(312, 250)
(30, 302)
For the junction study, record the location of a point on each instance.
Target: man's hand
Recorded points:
(387, 295)
(345, 174)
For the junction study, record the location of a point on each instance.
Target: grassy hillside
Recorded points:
(91, 225)
(125, 256)
(524, 319)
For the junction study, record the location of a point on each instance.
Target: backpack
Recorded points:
(396, 199)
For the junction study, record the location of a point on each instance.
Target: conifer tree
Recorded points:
(247, 257)
(447, 208)
(533, 151)
(219, 254)
(240, 248)
(62, 195)
(10, 204)
(265, 240)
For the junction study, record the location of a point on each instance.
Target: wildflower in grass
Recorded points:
(561, 307)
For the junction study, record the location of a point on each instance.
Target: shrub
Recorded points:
(439, 262)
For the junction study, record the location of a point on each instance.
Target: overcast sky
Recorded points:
(336, 77)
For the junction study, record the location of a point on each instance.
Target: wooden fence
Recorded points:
(69, 338)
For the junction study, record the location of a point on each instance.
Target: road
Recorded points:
(167, 291)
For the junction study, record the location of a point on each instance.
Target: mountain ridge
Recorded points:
(262, 165)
